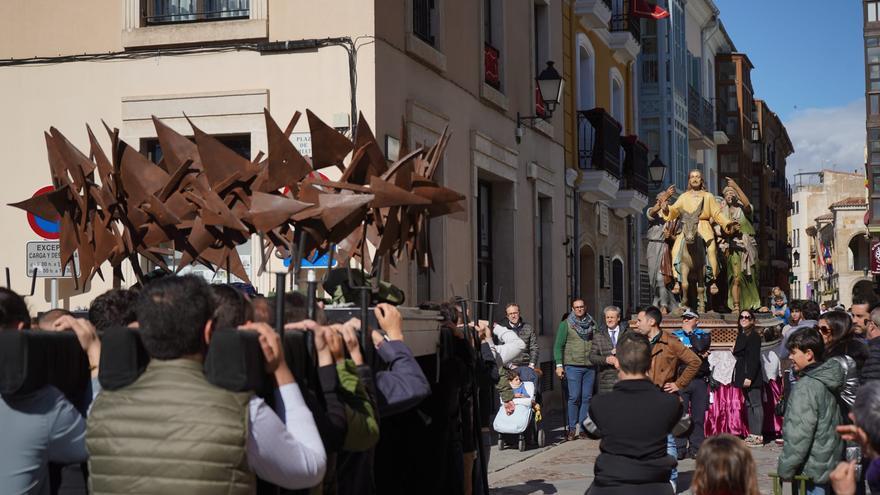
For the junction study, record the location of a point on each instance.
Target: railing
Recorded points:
(599, 142)
(700, 112)
(422, 20)
(623, 21)
(635, 165)
(491, 57)
(184, 11)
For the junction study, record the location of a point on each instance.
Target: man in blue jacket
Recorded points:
(696, 395)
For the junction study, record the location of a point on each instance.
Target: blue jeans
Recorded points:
(672, 450)
(813, 489)
(580, 389)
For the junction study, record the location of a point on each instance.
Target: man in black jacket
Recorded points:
(633, 458)
(871, 369)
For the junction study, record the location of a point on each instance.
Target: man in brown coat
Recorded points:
(667, 352)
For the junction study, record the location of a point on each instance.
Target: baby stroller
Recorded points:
(525, 423)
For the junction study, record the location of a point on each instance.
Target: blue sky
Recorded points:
(809, 67)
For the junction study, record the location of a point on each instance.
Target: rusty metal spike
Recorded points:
(329, 147)
(285, 164)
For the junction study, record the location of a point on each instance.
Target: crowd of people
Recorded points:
(813, 394)
(350, 431)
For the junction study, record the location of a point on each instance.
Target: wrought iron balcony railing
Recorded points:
(185, 11)
(622, 20)
(599, 142)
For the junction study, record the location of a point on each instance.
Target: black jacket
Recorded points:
(633, 447)
(747, 351)
(871, 369)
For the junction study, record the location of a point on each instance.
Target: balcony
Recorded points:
(626, 34)
(593, 14)
(491, 58)
(599, 155)
(701, 117)
(632, 198)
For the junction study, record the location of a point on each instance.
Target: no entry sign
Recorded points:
(47, 229)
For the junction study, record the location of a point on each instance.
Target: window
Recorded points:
(727, 164)
(177, 11)
(493, 41)
(872, 63)
(424, 20)
(241, 144)
(541, 33)
(727, 71)
(618, 109)
(586, 89)
(873, 12)
(484, 237)
(617, 284)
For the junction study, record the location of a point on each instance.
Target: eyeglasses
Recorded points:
(825, 330)
(513, 313)
(745, 317)
(687, 318)
(578, 307)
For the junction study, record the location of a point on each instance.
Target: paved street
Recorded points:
(566, 468)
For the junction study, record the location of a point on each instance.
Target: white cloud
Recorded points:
(827, 138)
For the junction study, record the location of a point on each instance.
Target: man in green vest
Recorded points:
(571, 351)
(171, 431)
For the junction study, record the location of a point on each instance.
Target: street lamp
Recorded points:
(657, 170)
(550, 85)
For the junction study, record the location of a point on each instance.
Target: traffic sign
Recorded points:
(45, 256)
(43, 227)
(320, 262)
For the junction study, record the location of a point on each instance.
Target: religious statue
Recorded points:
(740, 250)
(694, 253)
(660, 274)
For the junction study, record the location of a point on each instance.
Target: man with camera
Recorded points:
(41, 426)
(171, 431)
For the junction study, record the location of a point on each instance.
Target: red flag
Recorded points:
(643, 8)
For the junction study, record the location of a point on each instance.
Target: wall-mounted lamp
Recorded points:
(550, 86)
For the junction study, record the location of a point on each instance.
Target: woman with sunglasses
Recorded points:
(841, 345)
(748, 375)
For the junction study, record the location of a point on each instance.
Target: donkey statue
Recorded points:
(692, 262)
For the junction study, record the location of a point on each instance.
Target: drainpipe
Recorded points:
(575, 248)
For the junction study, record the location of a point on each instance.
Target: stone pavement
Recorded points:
(566, 468)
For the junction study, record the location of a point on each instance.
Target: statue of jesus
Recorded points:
(696, 197)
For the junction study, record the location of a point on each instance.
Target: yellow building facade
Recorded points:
(607, 167)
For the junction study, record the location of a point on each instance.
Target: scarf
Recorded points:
(584, 327)
(513, 327)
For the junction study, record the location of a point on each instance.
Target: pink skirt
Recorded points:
(771, 395)
(727, 413)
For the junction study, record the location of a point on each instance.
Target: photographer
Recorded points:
(28, 445)
(171, 431)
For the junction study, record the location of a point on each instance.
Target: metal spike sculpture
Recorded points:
(203, 199)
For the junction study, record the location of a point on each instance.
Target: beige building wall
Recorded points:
(223, 92)
(398, 79)
(433, 87)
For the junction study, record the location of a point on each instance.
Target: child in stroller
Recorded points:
(526, 418)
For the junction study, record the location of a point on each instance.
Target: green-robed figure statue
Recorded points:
(740, 250)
